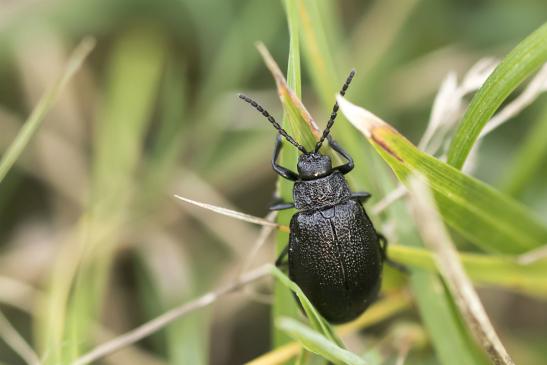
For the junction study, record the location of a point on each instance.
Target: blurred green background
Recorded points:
(92, 242)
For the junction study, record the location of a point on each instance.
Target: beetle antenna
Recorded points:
(271, 119)
(334, 111)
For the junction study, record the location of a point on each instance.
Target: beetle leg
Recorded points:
(281, 206)
(347, 167)
(383, 250)
(286, 173)
(282, 256)
(361, 196)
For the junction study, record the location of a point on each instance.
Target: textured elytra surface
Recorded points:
(320, 193)
(334, 256)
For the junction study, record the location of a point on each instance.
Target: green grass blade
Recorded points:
(234, 53)
(236, 42)
(184, 340)
(325, 76)
(319, 57)
(289, 92)
(381, 310)
(47, 101)
(293, 66)
(517, 66)
(453, 344)
(315, 319)
(168, 139)
(317, 343)
(82, 269)
(478, 212)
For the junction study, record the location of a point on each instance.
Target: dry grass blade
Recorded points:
(17, 342)
(449, 103)
(367, 121)
(19, 295)
(523, 60)
(436, 237)
(163, 320)
(43, 107)
(446, 109)
(235, 214)
(287, 96)
(261, 240)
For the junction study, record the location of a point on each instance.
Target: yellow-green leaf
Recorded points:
(477, 211)
(317, 343)
(520, 63)
(315, 319)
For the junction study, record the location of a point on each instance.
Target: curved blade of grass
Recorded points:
(483, 215)
(315, 319)
(324, 72)
(528, 56)
(379, 311)
(298, 125)
(47, 101)
(317, 343)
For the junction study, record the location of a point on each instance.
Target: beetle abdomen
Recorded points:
(334, 256)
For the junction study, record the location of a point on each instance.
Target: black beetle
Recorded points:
(335, 254)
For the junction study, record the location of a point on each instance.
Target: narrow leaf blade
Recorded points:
(38, 114)
(317, 343)
(518, 65)
(316, 320)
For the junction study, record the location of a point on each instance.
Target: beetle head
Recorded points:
(314, 165)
